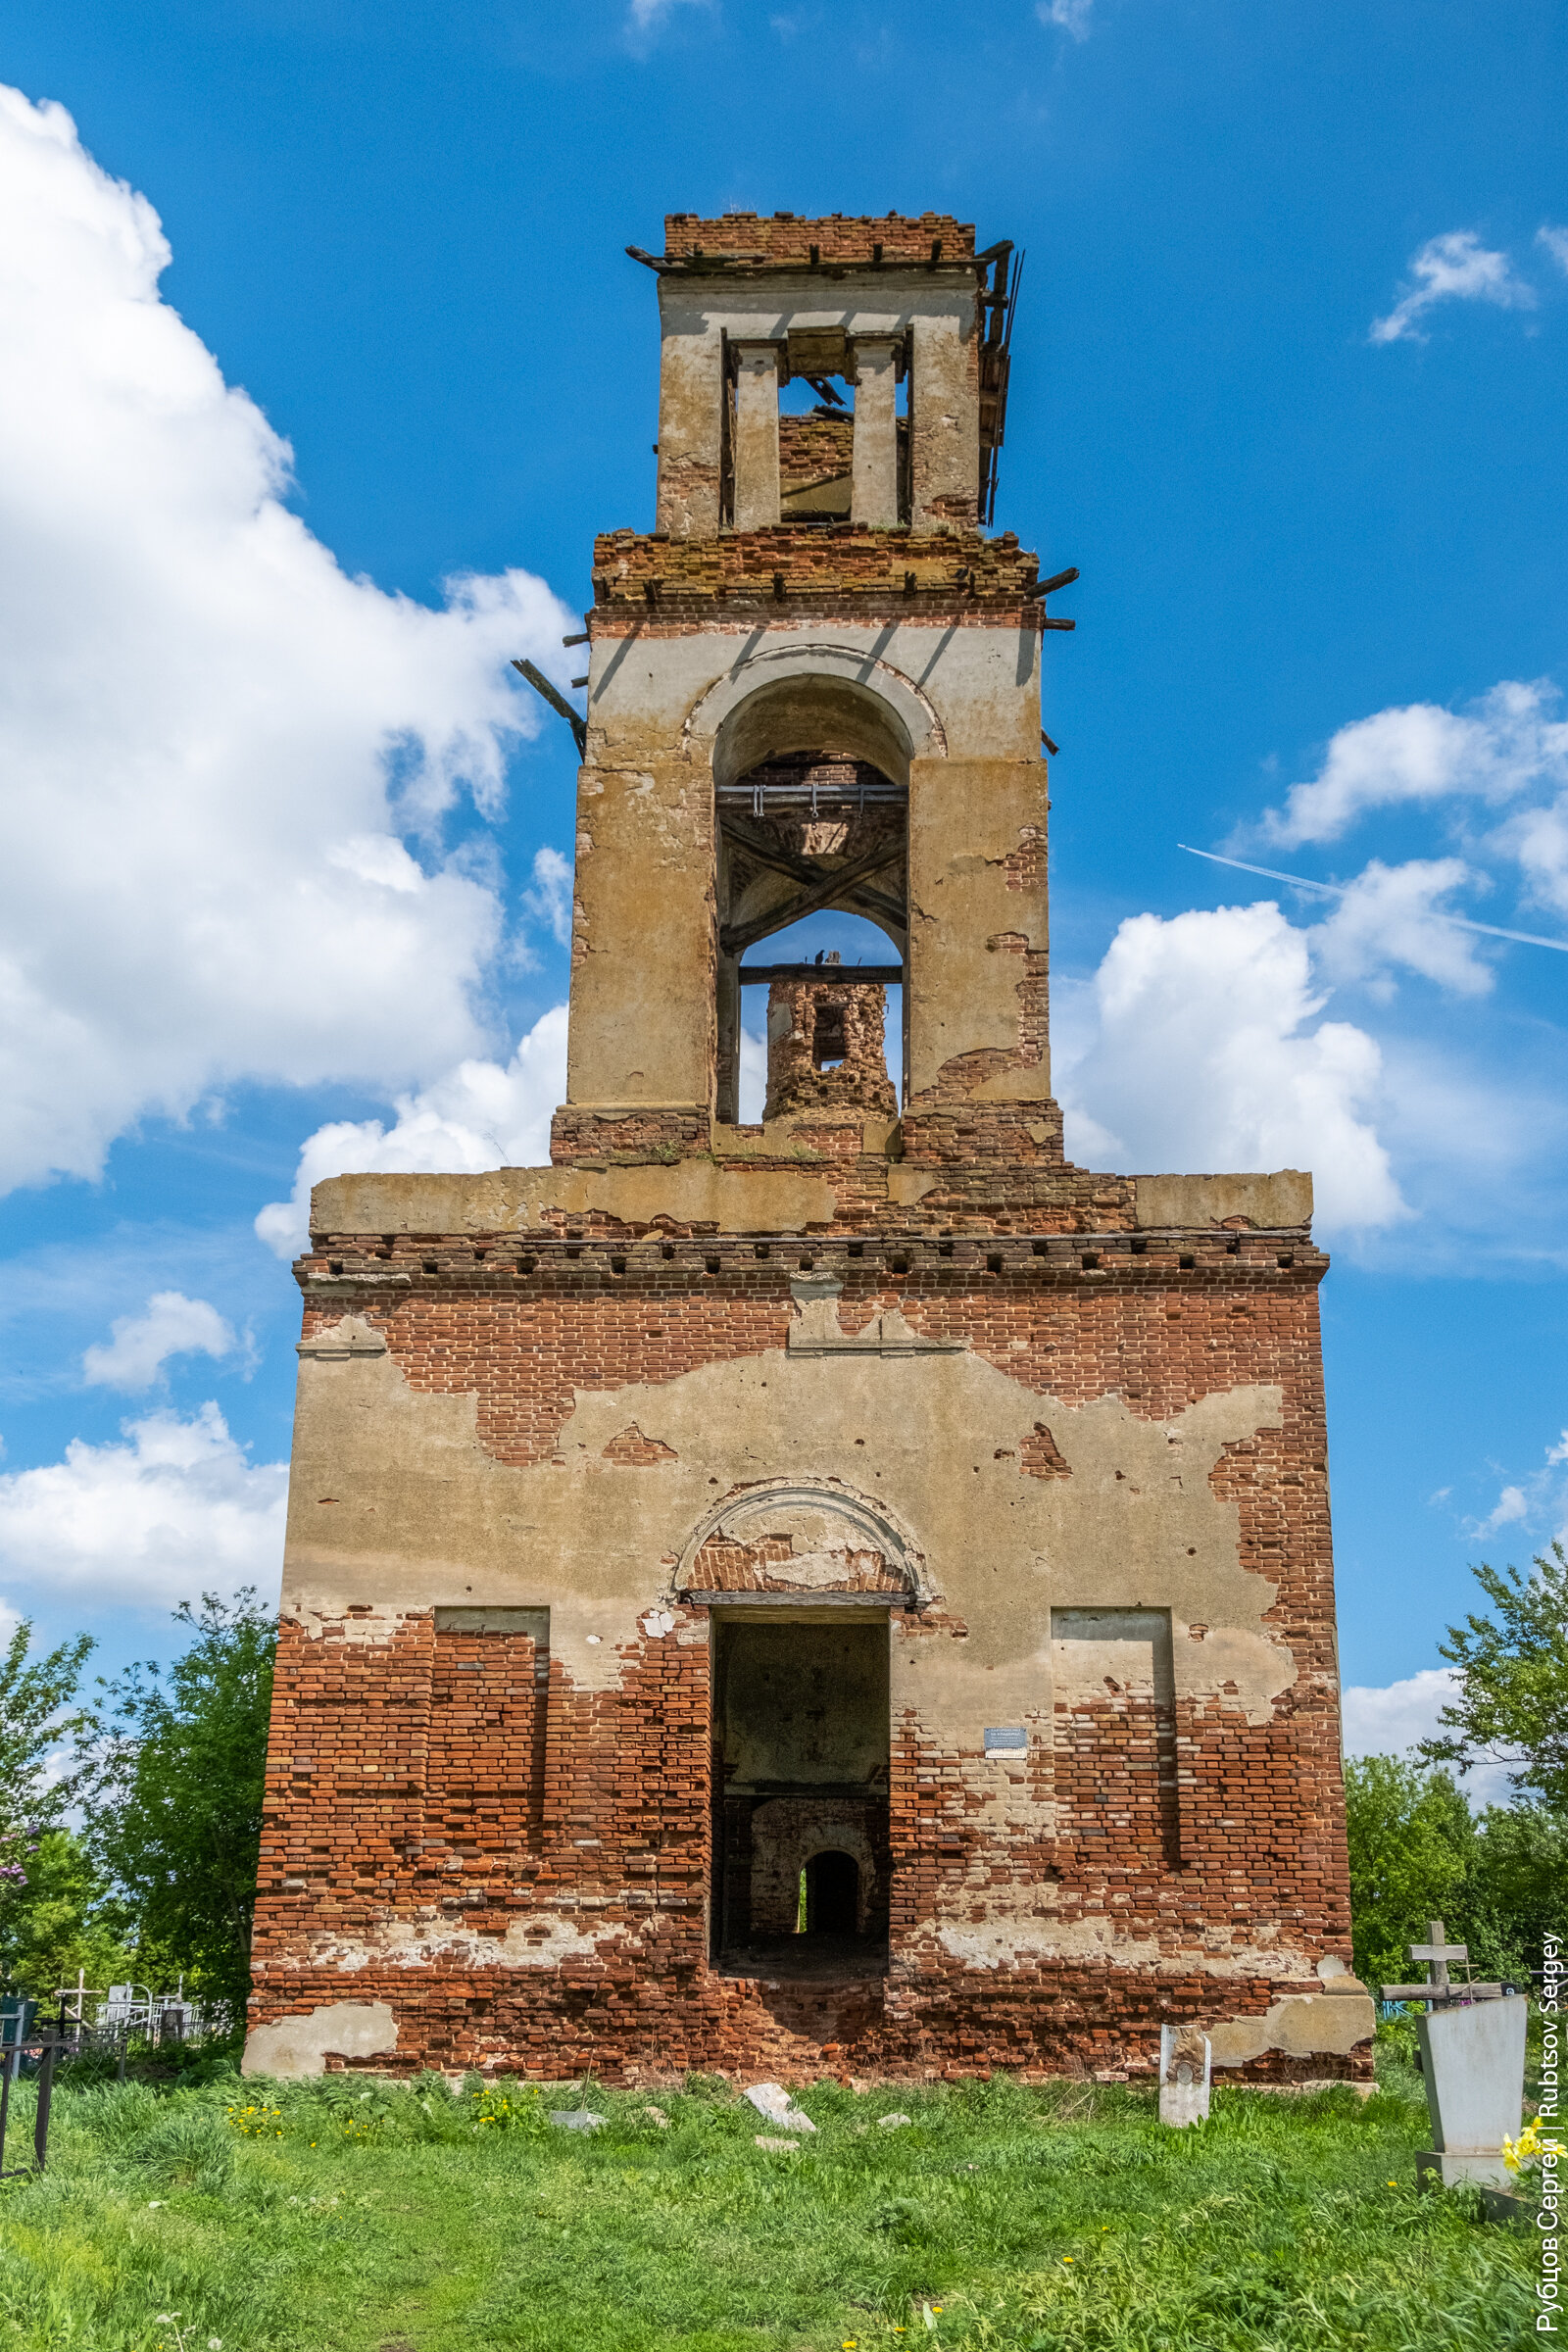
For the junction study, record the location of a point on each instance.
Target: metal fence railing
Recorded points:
(42, 2047)
(22, 2043)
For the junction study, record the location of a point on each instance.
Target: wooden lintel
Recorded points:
(841, 975)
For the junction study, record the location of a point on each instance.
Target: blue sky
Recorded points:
(287, 860)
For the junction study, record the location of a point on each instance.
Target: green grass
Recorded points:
(387, 2217)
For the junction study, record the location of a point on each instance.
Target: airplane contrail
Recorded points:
(1337, 890)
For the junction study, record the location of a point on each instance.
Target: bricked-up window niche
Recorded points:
(1115, 1741)
(828, 1046)
(485, 1774)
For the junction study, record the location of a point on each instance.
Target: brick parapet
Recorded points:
(839, 239)
(631, 1136)
(844, 571)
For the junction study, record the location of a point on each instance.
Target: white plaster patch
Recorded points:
(1026, 1939)
(657, 1623)
(375, 1629)
(299, 2047)
(1303, 2025)
(414, 1943)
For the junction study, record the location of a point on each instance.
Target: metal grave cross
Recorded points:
(1441, 1986)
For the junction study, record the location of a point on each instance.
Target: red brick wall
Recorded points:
(415, 1796)
(814, 449)
(839, 239)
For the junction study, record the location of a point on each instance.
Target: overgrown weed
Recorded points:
(342, 2214)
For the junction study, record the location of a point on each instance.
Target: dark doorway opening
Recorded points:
(800, 1788)
(832, 1894)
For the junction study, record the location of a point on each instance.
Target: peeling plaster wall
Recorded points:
(643, 989)
(423, 1513)
(751, 1199)
(642, 1028)
(646, 691)
(977, 929)
(1002, 1497)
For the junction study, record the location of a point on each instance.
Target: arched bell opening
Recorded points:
(813, 902)
(811, 748)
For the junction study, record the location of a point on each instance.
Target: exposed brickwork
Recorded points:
(845, 239)
(814, 449)
(414, 1798)
(1041, 1456)
(784, 1834)
(639, 1452)
(813, 1023)
(843, 568)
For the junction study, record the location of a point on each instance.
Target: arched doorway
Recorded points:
(832, 1894)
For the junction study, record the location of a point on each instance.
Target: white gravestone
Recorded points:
(1473, 2061)
(1186, 2066)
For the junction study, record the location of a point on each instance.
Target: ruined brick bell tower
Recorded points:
(851, 1589)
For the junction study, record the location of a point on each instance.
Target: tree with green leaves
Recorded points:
(1418, 1853)
(35, 1695)
(61, 1925)
(1511, 1703)
(41, 1917)
(178, 1765)
(1411, 1836)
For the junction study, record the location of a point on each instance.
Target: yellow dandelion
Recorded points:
(1066, 2258)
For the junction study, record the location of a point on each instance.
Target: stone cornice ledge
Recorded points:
(1267, 1202)
(700, 1193)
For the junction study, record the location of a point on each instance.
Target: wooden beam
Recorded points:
(799, 1597)
(735, 938)
(841, 975)
(557, 702)
(822, 887)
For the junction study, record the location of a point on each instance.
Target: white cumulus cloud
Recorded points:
(227, 763)
(1455, 268)
(1499, 748)
(139, 1346)
(1199, 1046)
(176, 1509)
(1390, 1720)
(480, 1115)
(547, 902)
(1392, 915)
(1509, 1508)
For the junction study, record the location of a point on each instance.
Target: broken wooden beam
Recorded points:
(557, 701)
